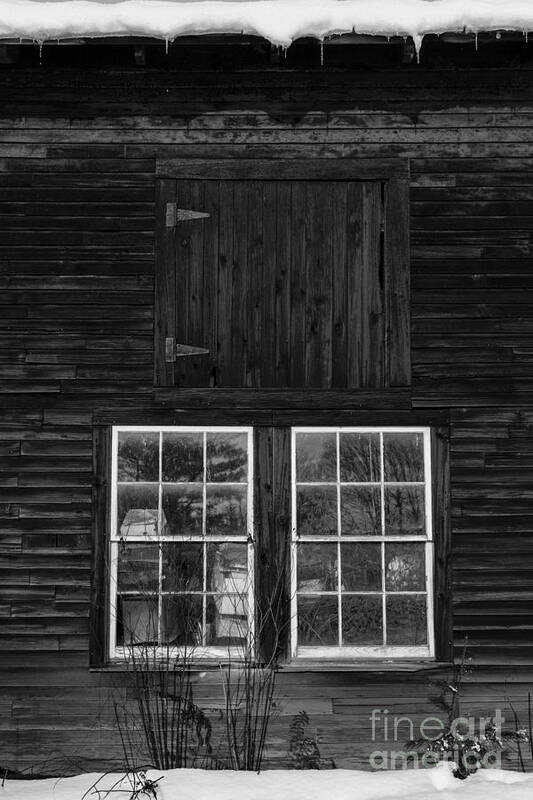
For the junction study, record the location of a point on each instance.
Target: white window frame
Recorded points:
(367, 652)
(197, 651)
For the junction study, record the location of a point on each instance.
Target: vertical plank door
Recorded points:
(286, 283)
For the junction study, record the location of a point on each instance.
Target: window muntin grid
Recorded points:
(181, 538)
(361, 551)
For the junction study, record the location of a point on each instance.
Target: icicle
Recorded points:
(41, 52)
(166, 45)
(526, 34)
(417, 41)
(322, 52)
(475, 38)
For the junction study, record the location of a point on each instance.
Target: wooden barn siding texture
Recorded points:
(77, 163)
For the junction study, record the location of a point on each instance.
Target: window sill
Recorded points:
(204, 665)
(374, 666)
(304, 665)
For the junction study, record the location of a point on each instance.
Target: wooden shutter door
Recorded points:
(293, 282)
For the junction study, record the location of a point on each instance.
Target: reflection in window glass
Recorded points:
(180, 542)
(226, 510)
(227, 567)
(137, 512)
(183, 507)
(227, 620)
(404, 510)
(360, 510)
(362, 620)
(403, 457)
(361, 567)
(227, 457)
(317, 567)
(138, 456)
(406, 619)
(181, 620)
(361, 532)
(138, 568)
(360, 460)
(137, 620)
(318, 620)
(183, 457)
(405, 569)
(316, 457)
(316, 510)
(182, 566)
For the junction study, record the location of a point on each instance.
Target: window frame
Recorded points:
(272, 508)
(367, 652)
(120, 653)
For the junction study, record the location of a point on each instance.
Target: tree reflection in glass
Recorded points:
(138, 456)
(316, 457)
(318, 620)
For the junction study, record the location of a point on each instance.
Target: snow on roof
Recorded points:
(280, 21)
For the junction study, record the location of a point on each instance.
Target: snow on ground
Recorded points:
(187, 784)
(280, 21)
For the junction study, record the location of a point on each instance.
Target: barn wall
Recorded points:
(77, 164)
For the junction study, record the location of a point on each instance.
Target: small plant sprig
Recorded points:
(304, 750)
(134, 782)
(469, 752)
(457, 743)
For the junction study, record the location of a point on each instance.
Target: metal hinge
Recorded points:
(175, 215)
(174, 350)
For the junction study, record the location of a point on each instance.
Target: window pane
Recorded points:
(181, 620)
(405, 567)
(316, 512)
(359, 457)
(318, 621)
(182, 507)
(226, 511)
(137, 620)
(316, 457)
(404, 511)
(361, 567)
(183, 457)
(362, 620)
(227, 567)
(317, 568)
(138, 568)
(227, 457)
(138, 456)
(361, 510)
(406, 620)
(137, 512)
(403, 456)
(182, 566)
(227, 619)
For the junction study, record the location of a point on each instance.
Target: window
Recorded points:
(346, 511)
(361, 543)
(181, 538)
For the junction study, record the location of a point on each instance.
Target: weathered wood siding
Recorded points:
(78, 155)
